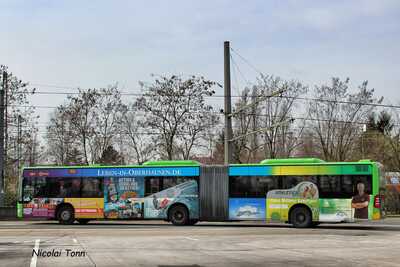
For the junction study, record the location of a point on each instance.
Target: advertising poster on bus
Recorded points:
(156, 205)
(247, 209)
(360, 202)
(41, 207)
(279, 202)
(335, 210)
(359, 207)
(87, 207)
(123, 197)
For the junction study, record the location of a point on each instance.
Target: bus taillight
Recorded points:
(377, 201)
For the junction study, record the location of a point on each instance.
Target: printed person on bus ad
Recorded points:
(360, 202)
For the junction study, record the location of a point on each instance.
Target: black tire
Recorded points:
(65, 215)
(300, 217)
(83, 221)
(192, 222)
(179, 215)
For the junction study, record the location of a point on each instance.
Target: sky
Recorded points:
(61, 45)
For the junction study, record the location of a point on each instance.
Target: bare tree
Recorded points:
(87, 124)
(197, 127)
(60, 137)
(137, 139)
(245, 122)
(282, 136)
(266, 124)
(80, 111)
(17, 105)
(108, 111)
(336, 117)
(175, 109)
(393, 142)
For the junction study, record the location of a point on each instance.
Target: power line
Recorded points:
(236, 84)
(247, 62)
(217, 113)
(236, 96)
(240, 72)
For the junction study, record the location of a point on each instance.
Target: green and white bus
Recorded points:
(299, 191)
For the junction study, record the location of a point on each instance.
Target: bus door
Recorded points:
(35, 198)
(91, 201)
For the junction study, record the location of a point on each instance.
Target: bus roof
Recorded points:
(304, 161)
(193, 163)
(161, 163)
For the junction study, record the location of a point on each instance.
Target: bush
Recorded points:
(10, 199)
(392, 202)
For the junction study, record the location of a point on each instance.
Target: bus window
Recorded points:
(366, 180)
(291, 181)
(347, 186)
(53, 187)
(71, 187)
(92, 187)
(156, 184)
(58, 187)
(329, 186)
(28, 189)
(40, 187)
(252, 186)
(168, 182)
(239, 186)
(181, 180)
(152, 185)
(268, 183)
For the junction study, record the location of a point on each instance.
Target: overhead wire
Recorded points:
(239, 96)
(247, 62)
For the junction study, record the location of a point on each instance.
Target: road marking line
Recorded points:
(193, 239)
(75, 241)
(34, 256)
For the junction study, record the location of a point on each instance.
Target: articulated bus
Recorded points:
(302, 192)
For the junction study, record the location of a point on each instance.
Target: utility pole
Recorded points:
(254, 110)
(228, 151)
(3, 88)
(19, 148)
(5, 125)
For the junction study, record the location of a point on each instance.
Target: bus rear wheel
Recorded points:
(65, 215)
(179, 215)
(300, 217)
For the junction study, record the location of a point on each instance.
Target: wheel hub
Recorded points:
(178, 216)
(65, 215)
(301, 217)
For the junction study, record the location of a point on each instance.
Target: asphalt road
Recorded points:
(155, 243)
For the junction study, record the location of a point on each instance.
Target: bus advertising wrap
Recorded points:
(247, 209)
(156, 205)
(279, 202)
(123, 197)
(112, 172)
(41, 207)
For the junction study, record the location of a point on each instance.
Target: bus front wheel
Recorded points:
(66, 215)
(300, 217)
(179, 215)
